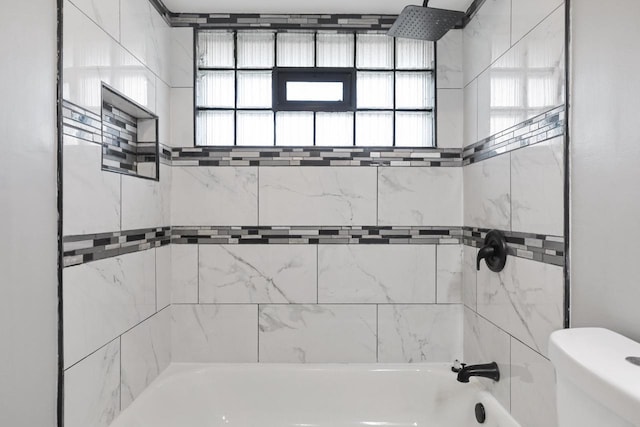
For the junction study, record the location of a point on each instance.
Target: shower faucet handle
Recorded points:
(494, 251)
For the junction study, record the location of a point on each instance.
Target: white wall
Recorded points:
(28, 215)
(605, 177)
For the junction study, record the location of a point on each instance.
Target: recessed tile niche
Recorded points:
(129, 136)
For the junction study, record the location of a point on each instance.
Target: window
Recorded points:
(313, 88)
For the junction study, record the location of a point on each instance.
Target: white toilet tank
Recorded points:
(596, 385)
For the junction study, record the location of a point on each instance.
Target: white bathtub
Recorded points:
(270, 395)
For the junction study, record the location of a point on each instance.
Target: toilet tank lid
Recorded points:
(594, 360)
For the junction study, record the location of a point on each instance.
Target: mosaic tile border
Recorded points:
(283, 21)
(289, 21)
(316, 156)
(81, 249)
(542, 127)
(536, 247)
(92, 247)
(316, 235)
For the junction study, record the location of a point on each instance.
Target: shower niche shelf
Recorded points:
(129, 136)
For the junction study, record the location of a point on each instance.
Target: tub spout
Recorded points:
(487, 370)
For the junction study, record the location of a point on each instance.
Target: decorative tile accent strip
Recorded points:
(537, 247)
(119, 140)
(536, 129)
(315, 156)
(80, 123)
(92, 247)
(316, 235)
(283, 21)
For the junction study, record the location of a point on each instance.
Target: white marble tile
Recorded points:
(376, 273)
(318, 195)
(223, 195)
(184, 274)
(146, 35)
(104, 298)
(470, 120)
(90, 57)
(487, 198)
(525, 299)
(450, 118)
(449, 61)
(525, 15)
(181, 57)
(527, 80)
(92, 389)
(419, 333)
(146, 352)
(486, 37)
(469, 290)
(420, 196)
(317, 333)
(166, 179)
(533, 387)
(449, 274)
(142, 204)
(258, 273)
(537, 188)
(163, 276)
(485, 343)
(208, 333)
(105, 13)
(91, 198)
(181, 117)
(163, 111)
(487, 90)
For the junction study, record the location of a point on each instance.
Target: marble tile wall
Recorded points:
(513, 71)
(367, 298)
(116, 310)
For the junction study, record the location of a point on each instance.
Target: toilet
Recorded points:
(597, 382)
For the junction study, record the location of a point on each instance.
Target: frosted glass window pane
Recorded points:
(216, 89)
(374, 51)
(215, 49)
(214, 128)
(315, 91)
(335, 49)
(375, 90)
(254, 89)
(414, 129)
(506, 90)
(295, 50)
(374, 129)
(334, 129)
(413, 54)
(294, 128)
(256, 49)
(414, 90)
(254, 128)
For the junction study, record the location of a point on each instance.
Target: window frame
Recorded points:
(282, 75)
(274, 109)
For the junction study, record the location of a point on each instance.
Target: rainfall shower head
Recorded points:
(425, 23)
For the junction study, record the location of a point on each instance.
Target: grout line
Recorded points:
(258, 340)
(120, 355)
(377, 334)
(198, 274)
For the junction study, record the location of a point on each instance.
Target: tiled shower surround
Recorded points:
(318, 254)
